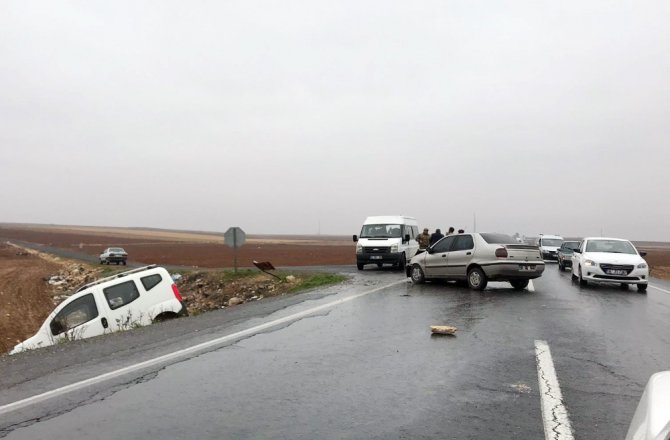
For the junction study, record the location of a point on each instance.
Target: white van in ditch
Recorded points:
(387, 239)
(133, 298)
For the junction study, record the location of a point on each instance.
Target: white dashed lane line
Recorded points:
(554, 414)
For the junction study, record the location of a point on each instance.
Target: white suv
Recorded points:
(121, 302)
(610, 260)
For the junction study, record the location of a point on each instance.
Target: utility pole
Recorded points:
(474, 219)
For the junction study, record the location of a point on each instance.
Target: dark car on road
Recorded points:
(564, 254)
(114, 255)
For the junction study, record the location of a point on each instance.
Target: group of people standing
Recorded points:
(426, 239)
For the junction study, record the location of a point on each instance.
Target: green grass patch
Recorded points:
(311, 281)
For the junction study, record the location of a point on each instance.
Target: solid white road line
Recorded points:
(531, 286)
(181, 353)
(658, 288)
(554, 414)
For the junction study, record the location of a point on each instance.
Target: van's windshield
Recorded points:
(381, 231)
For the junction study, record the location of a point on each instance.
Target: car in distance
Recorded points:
(565, 252)
(478, 258)
(133, 298)
(114, 255)
(610, 260)
(549, 245)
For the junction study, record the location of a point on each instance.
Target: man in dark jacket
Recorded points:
(436, 236)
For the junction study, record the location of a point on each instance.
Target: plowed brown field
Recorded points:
(189, 249)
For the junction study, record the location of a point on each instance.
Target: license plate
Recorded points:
(376, 257)
(526, 267)
(617, 272)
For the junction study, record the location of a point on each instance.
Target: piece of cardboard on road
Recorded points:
(443, 330)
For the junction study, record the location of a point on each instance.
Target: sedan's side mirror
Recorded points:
(355, 238)
(406, 238)
(430, 250)
(643, 254)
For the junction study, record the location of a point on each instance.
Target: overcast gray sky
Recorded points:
(540, 116)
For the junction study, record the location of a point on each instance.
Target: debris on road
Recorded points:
(443, 330)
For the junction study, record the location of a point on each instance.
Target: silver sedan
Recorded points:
(478, 258)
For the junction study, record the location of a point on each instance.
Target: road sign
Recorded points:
(234, 237)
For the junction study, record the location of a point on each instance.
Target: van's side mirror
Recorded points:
(406, 238)
(355, 238)
(643, 254)
(577, 251)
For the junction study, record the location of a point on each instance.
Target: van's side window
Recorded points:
(78, 312)
(121, 294)
(151, 281)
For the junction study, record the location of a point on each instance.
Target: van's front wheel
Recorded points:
(403, 262)
(360, 266)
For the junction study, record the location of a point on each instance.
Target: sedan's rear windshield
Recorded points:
(610, 246)
(116, 250)
(492, 238)
(551, 242)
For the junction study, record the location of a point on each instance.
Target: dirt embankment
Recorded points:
(659, 262)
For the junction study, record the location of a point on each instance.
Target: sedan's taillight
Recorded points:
(176, 292)
(501, 253)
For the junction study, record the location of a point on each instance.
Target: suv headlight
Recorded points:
(394, 248)
(359, 248)
(642, 266)
(590, 263)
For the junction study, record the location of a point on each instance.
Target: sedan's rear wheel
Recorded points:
(417, 275)
(519, 284)
(477, 279)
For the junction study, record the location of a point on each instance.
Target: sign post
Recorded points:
(234, 238)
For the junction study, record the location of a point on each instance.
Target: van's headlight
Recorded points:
(359, 248)
(394, 248)
(590, 263)
(642, 266)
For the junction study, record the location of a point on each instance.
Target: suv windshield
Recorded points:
(550, 242)
(381, 231)
(572, 245)
(610, 246)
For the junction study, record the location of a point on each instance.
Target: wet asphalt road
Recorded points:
(360, 369)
